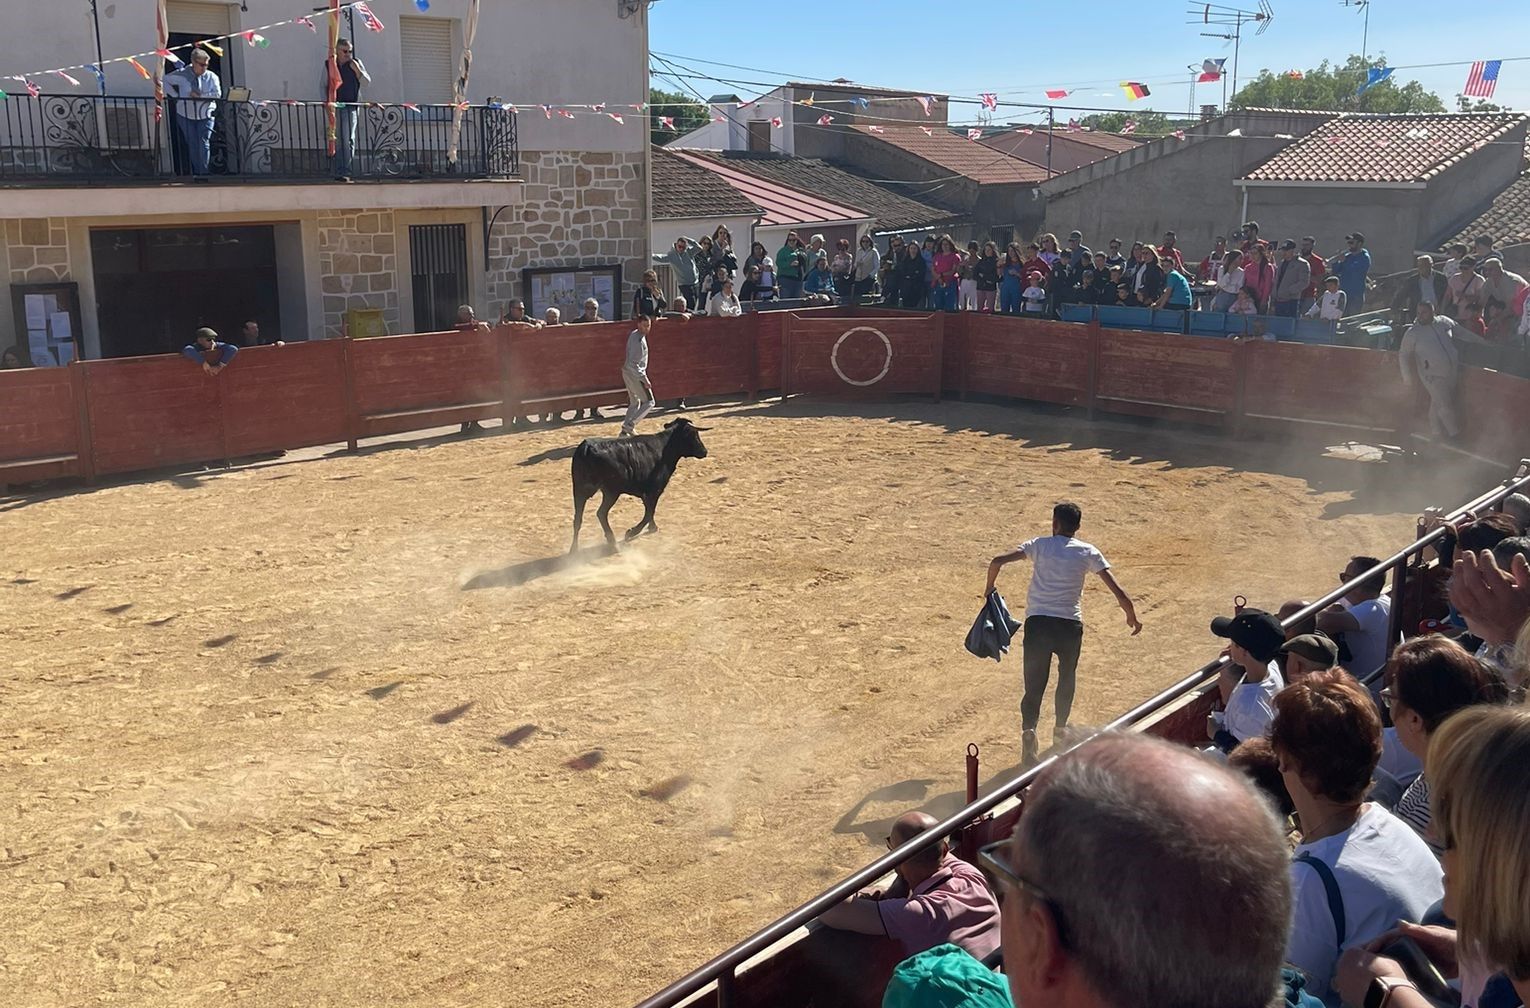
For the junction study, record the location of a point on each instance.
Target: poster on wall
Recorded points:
(566, 288)
(47, 318)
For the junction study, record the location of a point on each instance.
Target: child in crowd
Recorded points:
(1034, 298)
(1244, 303)
(766, 291)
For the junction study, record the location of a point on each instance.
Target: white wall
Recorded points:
(733, 134)
(527, 51)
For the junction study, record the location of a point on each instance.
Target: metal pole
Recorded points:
(1051, 121)
(95, 17)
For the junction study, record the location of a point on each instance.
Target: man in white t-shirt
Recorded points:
(1054, 617)
(1363, 618)
(1250, 679)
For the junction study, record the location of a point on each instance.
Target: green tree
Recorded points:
(1465, 104)
(1328, 88)
(688, 114)
(1148, 123)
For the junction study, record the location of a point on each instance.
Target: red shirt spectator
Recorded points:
(1319, 268)
(1169, 250)
(1206, 272)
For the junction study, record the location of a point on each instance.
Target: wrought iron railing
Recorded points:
(65, 139)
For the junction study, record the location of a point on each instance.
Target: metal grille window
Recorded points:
(428, 59)
(438, 268)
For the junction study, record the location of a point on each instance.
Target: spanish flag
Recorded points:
(1134, 90)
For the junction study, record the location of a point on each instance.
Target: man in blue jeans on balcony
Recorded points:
(193, 117)
(348, 101)
(1054, 618)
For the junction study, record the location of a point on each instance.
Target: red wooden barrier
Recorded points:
(293, 396)
(877, 356)
(40, 425)
(404, 383)
(1494, 409)
(149, 412)
(1028, 359)
(1187, 378)
(1340, 386)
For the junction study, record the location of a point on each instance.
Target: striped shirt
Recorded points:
(1413, 809)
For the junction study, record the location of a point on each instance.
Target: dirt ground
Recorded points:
(333, 730)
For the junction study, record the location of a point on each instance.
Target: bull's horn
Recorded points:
(700, 429)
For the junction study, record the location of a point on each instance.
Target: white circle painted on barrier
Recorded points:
(886, 364)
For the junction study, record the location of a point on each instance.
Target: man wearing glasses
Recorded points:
(937, 898)
(1142, 874)
(348, 100)
(1362, 617)
(1351, 268)
(193, 117)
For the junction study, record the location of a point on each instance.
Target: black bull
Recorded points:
(637, 466)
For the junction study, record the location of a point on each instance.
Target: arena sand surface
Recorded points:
(294, 735)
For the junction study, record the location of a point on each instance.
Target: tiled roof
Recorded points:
(1386, 148)
(893, 211)
(1069, 150)
(779, 204)
(1113, 142)
(957, 154)
(684, 190)
(1507, 218)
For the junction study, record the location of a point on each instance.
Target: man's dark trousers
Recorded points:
(1044, 637)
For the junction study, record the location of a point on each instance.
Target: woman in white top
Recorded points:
(724, 304)
(1429, 679)
(1477, 761)
(1327, 737)
(1229, 283)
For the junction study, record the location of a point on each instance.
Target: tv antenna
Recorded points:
(1364, 7)
(1231, 20)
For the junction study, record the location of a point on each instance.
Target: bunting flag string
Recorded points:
(824, 120)
(775, 122)
(925, 102)
(974, 134)
(1056, 93)
(1373, 76)
(1134, 90)
(1482, 79)
(367, 17)
(990, 100)
(667, 122)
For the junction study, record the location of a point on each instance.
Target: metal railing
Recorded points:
(723, 969)
(66, 139)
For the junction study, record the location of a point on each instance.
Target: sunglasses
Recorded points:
(991, 862)
(1387, 696)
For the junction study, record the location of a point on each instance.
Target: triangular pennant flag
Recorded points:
(1374, 76)
(411, 106)
(876, 129)
(927, 131)
(422, 5)
(808, 101)
(172, 57)
(68, 78)
(638, 107)
(306, 22)
(1135, 90)
(925, 102)
(614, 117)
(824, 120)
(990, 100)
(368, 18)
(546, 111)
(1129, 127)
(143, 71)
(255, 38)
(216, 50)
(1178, 134)
(744, 105)
(718, 118)
(1073, 126)
(32, 89)
(100, 76)
(1295, 74)
(597, 108)
(565, 113)
(1055, 93)
(775, 122)
(860, 102)
(667, 122)
(1025, 132)
(974, 134)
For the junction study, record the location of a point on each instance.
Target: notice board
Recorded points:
(566, 287)
(47, 323)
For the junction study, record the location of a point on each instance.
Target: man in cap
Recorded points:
(1142, 874)
(207, 350)
(1330, 304)
(1292, 277)
(938, 898)
(1250, 680)
(1077, 253)
(1308, 653)
(1351, 268)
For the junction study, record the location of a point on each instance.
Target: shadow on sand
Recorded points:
(531, 570)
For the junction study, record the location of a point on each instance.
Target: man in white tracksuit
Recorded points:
(1429, 352)
(635, 375)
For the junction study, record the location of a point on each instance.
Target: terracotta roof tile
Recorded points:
(1069, 150)
(1388, 148)
(1507, 218)
(893, 211)
(779, 204)
(683, 190)
(958, 155)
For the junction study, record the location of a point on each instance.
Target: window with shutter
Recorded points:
(428, 59)
(204, 20)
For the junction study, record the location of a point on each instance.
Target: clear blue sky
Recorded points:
(964, 47)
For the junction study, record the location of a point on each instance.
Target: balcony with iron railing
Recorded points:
(80, 140)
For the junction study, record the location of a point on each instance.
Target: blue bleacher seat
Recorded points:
(1076, 312)
(1170, 320)
(1118, 317)
(1235, 324)
(1311, 330)
(1208, 323)
(1274, 326)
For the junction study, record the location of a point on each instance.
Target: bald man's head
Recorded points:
(905, 828)
(1132, 836)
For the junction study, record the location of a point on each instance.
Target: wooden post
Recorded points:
(508, 403)
(222, 408)
(786, 355)
(939, 354)
(752, 359)
(1240, 355)
(352, 409)
(1094, 367)
(85, 446)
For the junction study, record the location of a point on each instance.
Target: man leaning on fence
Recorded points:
(348, 101)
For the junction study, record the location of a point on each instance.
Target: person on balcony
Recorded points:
(348, 101)
(196, 90)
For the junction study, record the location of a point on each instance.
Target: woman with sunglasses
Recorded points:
(867, 263)
(1481, 811)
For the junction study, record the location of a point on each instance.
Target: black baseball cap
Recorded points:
(1357, 236)
(1254, 630)
(1287, 244)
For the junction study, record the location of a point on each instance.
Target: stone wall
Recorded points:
(358, 266)
(37, 250)
(580, 209)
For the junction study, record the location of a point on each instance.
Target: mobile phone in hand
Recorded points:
(1422, 972)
